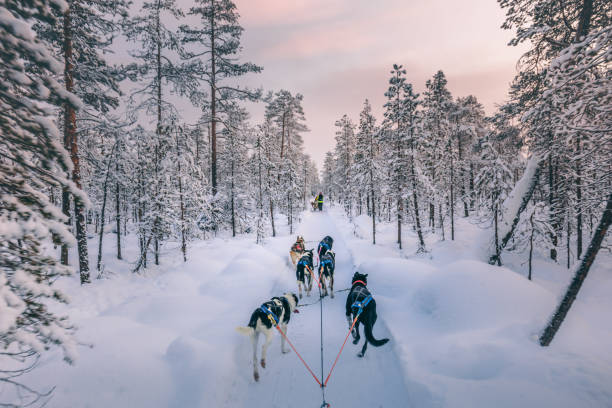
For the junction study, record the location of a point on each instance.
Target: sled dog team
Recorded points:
(277, 311)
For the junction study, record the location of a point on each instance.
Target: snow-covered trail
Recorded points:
(373, 381)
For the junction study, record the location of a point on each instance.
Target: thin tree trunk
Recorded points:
(472, 191)
(530, 245)
(71, 135)
(452, 194)
(180, 185)
(416, 207)
(553, 233)
(441, 220)
(578, 201)
(213, 102)
(157, 222)
(582, 271)
(497, 249)
(103, 211)
(569, 225)
(232, 200)
(118, 211)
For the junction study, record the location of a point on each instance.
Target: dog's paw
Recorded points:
(332, 295)
(355, 341)
(285, 351)
(360, 354)
(256, 376)
(263, 363)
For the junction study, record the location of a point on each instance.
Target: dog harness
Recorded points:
(323, 262)
(273, 318)
(360, 305)
(304, 261)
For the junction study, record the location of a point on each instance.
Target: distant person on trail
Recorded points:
(319, 201)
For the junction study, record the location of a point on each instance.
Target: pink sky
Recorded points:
(339, 52)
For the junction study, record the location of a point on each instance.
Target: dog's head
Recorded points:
(360, 277)
(293, 301)
(300, 239)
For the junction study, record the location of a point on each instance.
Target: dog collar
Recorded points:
(360, 281)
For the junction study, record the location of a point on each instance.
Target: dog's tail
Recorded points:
(247, 331)
(370, 337)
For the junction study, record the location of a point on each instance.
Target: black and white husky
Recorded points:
(264, 319)
(327, 264)
(303, 272)
(360, 296)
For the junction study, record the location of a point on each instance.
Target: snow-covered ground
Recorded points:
(463, 333)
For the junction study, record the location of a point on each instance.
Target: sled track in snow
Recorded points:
(375, 380)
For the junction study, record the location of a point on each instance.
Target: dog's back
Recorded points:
(328, 262)
(325, 245)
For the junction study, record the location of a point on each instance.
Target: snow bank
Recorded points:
(166, 339)
(466, 332)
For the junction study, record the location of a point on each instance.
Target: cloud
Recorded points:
(288, 12)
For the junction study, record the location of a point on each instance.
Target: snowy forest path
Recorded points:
(375, 380)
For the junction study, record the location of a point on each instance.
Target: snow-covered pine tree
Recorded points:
(153, 70)
(234, 171)
(286, 111)
(493, 183)
(329, 184)
(436, 149)
(344, 153)
(212, 57)
(398, 129)
(554, 93)
(32, 162)
(468, 121)
(366, 166)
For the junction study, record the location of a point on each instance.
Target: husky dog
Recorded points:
(297, 249)
(359, 293)
(327, 264)
(264, 320)
(325, 245)
(303, 272)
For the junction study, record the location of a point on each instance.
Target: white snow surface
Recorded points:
(463, 333)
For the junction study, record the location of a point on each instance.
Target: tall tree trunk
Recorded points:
(578, 200)
(432, 217)
(103, 211)
(416, 206)
(213, 102)
(462, 177)
(452, 193)
(182, 202)
(472, 190)
(497, 249)
(569, 234)
(580, 275)
(232, 199)
(551, 209)
(373, 206)
(157, 221)
(118, 210)
(71, 135)
(531, 244)
(441, 220)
